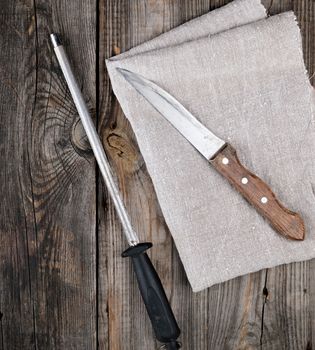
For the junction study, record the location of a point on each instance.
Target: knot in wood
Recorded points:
(79, 139)
(121, 148)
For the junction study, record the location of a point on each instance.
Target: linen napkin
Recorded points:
(243, 77)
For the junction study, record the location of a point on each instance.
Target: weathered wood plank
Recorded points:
(211, 319)
(16, 304)
(48, 281)
(125, 24)
(288, 316)
(64, 187)
(311, 291)
(121, 302)
(287, 322)
(238, 314)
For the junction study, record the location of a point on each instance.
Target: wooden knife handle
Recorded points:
(257, 193)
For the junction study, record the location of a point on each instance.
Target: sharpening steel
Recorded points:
(152, 291)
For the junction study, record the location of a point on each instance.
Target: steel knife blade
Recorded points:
(221, 155)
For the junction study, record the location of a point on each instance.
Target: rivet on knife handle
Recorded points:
(258, 193)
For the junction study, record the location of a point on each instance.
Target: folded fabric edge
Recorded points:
(157, 42)
(201, 287)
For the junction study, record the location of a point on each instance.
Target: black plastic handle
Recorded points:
(153, 294)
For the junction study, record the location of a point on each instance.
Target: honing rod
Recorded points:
(153, 294)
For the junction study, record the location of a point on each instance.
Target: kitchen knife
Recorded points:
(221, 155)
(159, 309)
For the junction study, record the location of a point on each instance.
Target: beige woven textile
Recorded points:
(242, 76)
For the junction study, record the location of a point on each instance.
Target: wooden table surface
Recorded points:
(63, 284)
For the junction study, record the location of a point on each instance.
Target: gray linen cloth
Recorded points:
(243, 76)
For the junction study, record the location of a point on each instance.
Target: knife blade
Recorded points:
(221, 155)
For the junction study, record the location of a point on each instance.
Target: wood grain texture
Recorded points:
(258, 194)
(48, 294)
(63, 283)
(238, 314)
